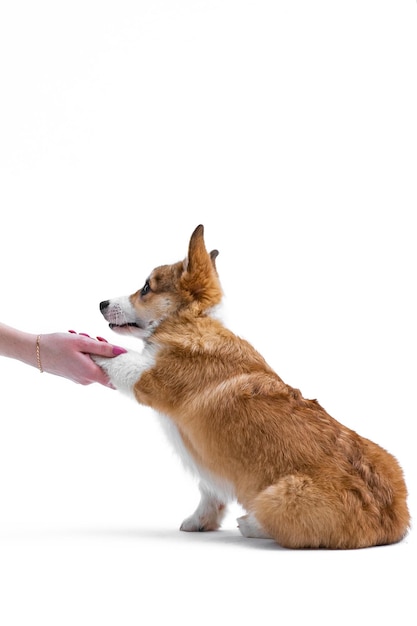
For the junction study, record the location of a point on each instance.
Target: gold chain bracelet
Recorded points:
(38, 353)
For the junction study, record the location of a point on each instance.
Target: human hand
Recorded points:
(68, 355)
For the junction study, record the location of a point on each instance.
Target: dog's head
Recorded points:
(190, 285)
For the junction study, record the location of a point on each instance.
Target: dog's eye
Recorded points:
(145, 289)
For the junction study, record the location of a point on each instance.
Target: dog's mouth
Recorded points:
(127, 325)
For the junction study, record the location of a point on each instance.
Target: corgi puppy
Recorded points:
(304, 479)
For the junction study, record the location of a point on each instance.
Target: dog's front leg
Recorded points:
(208, 515)
(125, 370)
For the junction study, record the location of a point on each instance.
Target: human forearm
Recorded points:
(62, 354)
(17, 344)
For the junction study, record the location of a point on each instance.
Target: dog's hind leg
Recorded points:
(300, 511)
(251, 528)
(209, 513)
(331, 510)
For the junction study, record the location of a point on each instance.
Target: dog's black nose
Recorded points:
(104, 305)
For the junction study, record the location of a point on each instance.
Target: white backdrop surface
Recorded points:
(289, 130)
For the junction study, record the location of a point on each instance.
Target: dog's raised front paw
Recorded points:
(125, 370)
(101, 361)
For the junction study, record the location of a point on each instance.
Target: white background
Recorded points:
(288, 128)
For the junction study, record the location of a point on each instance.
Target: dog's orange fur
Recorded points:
(309, 481)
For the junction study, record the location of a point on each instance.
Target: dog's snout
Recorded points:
(104, 305)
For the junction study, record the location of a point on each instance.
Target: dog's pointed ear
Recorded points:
(213, 256)
(197, 252)
(200, 274)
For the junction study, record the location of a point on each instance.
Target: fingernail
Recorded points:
(102, 339)
(117, 350)
(85, 335)
(72, 331)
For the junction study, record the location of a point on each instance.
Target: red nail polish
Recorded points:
(117, 350)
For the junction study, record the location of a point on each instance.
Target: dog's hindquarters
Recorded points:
(298, 513)
(301, 511)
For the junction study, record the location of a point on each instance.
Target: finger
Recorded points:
(103, 379)
(103, 348)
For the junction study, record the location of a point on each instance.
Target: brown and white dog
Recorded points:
(304, 479)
